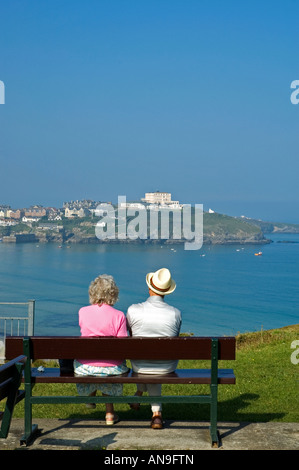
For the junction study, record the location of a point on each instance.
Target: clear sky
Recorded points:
(121, 97)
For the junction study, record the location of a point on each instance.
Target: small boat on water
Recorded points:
(258, 254)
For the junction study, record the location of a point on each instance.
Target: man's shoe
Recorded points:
(157, 422)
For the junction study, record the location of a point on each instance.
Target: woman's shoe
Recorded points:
(134, 406)
(111, 419)
(90, 405)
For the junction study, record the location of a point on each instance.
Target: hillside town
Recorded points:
(78, 209)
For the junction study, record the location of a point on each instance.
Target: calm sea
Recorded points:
(221, 290)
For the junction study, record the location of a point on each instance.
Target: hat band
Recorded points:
(158, 288)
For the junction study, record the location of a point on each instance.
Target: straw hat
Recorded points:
(160, 282)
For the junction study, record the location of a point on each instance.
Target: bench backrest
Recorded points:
(8, 374)
(70, 347)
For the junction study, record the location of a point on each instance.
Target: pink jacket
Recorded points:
(103, 320)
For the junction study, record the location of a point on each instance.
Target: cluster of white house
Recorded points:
(155, 200)
(10, 216)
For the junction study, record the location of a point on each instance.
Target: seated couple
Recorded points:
(154, 317)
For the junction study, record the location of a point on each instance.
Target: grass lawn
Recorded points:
(267, 386)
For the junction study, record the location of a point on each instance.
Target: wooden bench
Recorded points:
(196, 348)
(10, 380)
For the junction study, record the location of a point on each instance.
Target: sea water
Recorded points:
(221, 290)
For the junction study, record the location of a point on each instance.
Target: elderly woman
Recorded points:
(101, 319)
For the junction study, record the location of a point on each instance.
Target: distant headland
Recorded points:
(76, 222)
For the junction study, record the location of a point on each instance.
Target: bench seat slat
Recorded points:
(181, 376)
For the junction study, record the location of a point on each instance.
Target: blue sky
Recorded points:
(107, 98)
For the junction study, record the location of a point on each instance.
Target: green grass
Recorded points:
(266, 389)
(220, 224)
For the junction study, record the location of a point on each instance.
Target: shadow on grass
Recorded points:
(235, 410)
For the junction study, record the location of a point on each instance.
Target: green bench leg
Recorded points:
(214, 393)
(30, 430)
(29, 435)
(7, 415)
(213, 417)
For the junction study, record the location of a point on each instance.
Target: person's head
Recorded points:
(103, 290)
(160, 282)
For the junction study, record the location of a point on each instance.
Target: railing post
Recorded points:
(28, 320)
(31, 313)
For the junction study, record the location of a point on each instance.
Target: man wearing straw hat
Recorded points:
(153, 318)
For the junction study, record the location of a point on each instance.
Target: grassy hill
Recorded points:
(273, 227)
(223, 228)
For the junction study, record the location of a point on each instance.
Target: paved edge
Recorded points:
(75, 434)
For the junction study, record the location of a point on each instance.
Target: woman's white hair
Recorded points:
(103, 290)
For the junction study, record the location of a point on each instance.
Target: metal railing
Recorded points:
(12, 325)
